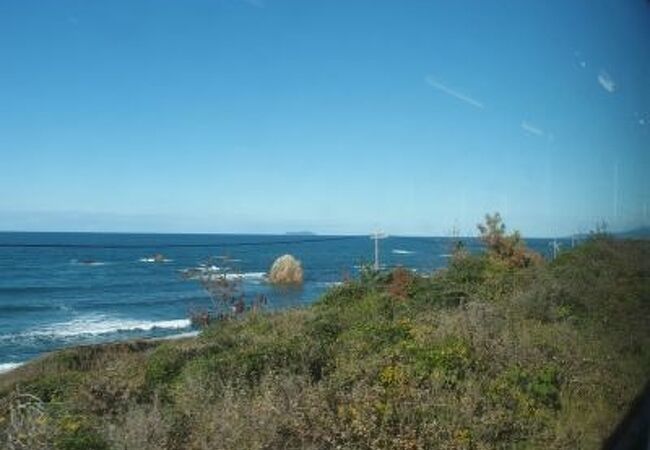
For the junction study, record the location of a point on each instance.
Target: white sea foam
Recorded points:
(88, 263)
(369, 265)
(6, 367)
(399, 251)
(210, 274)
(94, 325)
(202, 271)
(247, 275)
(155, 260)
(329, 284)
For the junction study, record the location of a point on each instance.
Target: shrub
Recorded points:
(226, 293)
(529, 389)
(77, 433)
(401, 283)
(27, 426)
(509, 248)
(165, 364)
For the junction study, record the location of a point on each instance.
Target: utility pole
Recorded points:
(556, 247)
(376, 236)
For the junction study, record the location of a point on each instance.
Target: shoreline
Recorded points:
(9, 367)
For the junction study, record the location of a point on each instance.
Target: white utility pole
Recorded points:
(376, 236)
(556, 247)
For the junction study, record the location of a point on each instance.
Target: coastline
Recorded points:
(372, 349)
(9, 367)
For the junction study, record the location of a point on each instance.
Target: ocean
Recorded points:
(65, 289)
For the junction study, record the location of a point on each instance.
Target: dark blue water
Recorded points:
(62, 289)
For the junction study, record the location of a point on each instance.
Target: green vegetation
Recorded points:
(499, 350)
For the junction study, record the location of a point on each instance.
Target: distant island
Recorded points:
(636, 233)
(300, 233)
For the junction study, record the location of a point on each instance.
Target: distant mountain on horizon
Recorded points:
(300, 233)
(635, 233)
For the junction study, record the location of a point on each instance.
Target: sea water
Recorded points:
(64, 289)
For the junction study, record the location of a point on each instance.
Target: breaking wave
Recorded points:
(90, 263)
(399, 251)
(155, 260)
(203, 272)
(6, 367)
(96, 325)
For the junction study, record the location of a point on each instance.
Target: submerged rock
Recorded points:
(286, 270)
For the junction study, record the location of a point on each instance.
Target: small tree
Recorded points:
(226, 291)
(509, 248)
(457, 246)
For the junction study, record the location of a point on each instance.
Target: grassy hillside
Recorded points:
(485, 354)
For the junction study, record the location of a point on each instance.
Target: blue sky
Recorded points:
(415, 117)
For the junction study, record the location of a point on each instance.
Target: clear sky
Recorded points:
(332, 116)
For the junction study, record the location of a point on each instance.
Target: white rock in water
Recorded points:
(286, 270)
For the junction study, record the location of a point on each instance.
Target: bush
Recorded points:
(165, 364)
(77, 433)
(508, 248)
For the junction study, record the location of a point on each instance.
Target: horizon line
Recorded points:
(296, 235)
